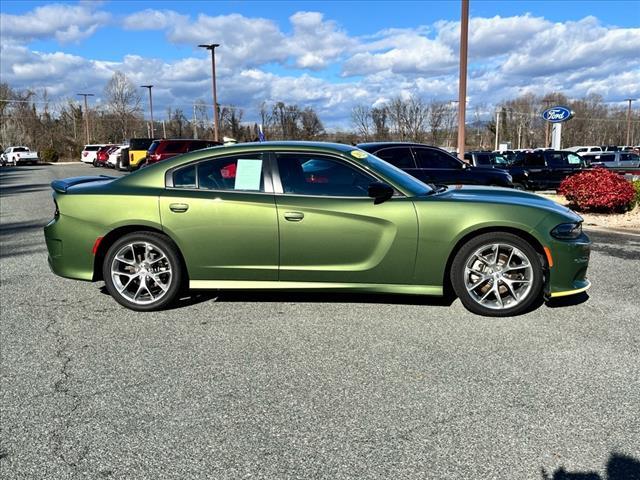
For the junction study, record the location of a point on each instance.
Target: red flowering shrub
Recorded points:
(598, 190)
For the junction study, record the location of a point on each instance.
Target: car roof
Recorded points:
(378, 145)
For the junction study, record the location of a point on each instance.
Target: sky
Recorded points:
(330, 55)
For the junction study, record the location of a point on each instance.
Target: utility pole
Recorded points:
(86, 115)
(462, 83)
(212, 47)
(195, 124)
(497, 127)
(629, 120)
(150, 108)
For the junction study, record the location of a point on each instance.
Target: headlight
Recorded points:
(567, 231)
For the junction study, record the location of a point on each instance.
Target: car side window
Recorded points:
(185, 177)
(397, 156)
(573, 159)
(555, 159)
(431, 158)
(237, 173)
(173, 147)
(304, 174)
(535, 159)
(241, 172)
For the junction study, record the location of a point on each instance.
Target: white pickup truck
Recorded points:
(18, 155)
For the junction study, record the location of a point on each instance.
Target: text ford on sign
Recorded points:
(557, 114)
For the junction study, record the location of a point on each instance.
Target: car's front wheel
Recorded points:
(497, 274)
(143, 272)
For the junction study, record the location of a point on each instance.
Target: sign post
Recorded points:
(556, 116)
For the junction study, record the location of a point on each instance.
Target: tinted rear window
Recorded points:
(398, 156)
(140, 143)
(92, 148)
(153, 147)
(173, 147)
(20, 149)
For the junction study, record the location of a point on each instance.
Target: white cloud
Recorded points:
(509, 56)
(65, 23)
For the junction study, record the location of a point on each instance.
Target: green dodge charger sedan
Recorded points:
(311, 216)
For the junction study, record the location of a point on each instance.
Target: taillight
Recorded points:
(84, 154)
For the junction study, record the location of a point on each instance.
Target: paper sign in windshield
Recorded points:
(248, 175)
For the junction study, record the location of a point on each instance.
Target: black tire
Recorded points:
(519, 186)
(170, 250)
(505, 239)
(95, 163)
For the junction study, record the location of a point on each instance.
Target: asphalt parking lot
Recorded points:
(308, 386)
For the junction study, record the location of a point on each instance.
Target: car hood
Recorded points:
(506, 196)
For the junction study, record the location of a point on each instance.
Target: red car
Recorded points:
(163, 149)
(103, 155)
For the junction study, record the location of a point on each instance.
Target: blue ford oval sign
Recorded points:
(557, 114)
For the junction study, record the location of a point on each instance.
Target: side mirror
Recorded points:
(380, 192)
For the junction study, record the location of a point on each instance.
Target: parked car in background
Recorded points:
(162, 149)
(102, 155)
(617, 159)
(19, 156)
(311, 216)
(114, 158)
(581, 150)
(483, 158)
(545, 169)
(137, 153)
(89, 152)
(434, 165)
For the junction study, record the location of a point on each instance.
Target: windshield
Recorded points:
(398, 177)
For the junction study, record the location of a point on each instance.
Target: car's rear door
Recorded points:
(441, 167)
(330, 229)
(222, 214)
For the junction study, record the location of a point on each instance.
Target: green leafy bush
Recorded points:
(49, 155)
(636, 187)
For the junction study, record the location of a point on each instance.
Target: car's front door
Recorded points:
(222, 214)
(331, 231)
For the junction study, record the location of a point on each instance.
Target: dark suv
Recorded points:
(545, 169)
(163, 149)
(434, 165)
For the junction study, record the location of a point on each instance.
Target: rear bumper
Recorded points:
(69, 256)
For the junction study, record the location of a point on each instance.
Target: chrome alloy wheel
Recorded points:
(141, 272)
(498, 276)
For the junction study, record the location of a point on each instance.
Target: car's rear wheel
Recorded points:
(518, 186)
(497, 274)
(142, 271)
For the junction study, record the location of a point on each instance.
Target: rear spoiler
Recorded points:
(65, 184)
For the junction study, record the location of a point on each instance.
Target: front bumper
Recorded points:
(568, 274)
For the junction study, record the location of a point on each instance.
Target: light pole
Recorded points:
(462, 84)
(629, 119)
(86, 114)
(150, 108)
(212, 47)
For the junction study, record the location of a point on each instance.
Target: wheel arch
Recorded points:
(111, 237)
(535, 243)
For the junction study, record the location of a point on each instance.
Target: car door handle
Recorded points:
(179, 207)
(294, 216)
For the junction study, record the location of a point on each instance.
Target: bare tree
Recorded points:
(123, 100)
(311, 125)
(361, 120)
(379, 117)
